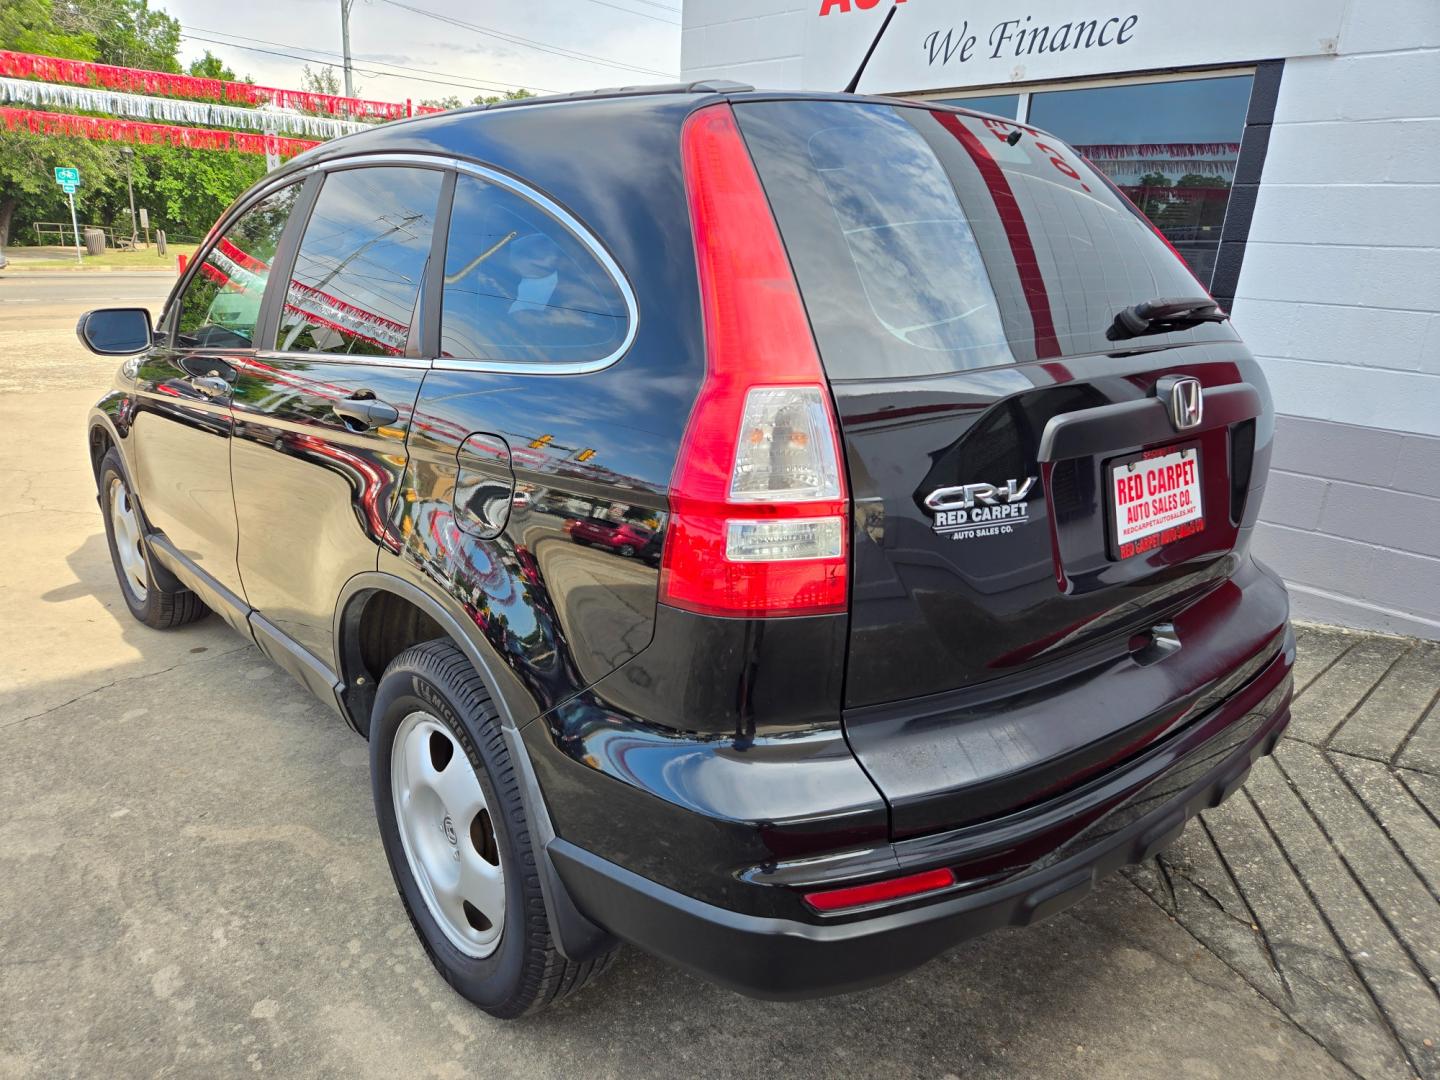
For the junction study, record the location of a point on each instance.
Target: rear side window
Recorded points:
(521, 286)
(221, 303)
(924, 242)
(358, 272)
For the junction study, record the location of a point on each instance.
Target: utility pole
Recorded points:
(345, 6)
(74, 227)
(128, 153)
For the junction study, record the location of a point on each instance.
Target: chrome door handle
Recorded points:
(212, 386)
(363, 413)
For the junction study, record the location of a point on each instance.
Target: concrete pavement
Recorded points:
(191, 885)
(38, 308)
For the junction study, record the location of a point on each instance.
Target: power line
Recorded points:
(515, 39)
(642, 14)
(327, 58)
(196, 32)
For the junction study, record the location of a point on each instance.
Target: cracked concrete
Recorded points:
(190, 883)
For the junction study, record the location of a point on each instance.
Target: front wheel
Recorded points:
(145, 595)
(447, 799)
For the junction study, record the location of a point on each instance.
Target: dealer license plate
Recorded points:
(1155, 501)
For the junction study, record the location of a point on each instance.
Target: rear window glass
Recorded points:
(925, 242)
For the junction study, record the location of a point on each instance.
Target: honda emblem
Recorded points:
(1187, 403)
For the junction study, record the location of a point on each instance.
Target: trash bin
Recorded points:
(95, 241)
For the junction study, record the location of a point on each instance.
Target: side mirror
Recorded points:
(115, 331)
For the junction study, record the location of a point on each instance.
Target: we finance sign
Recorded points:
(943, 44)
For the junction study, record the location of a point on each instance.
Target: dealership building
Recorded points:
(1288, 149)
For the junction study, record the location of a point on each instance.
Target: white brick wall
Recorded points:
(1339, 297)
(760, 42)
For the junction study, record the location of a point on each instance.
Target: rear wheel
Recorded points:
(447, 798)
(144, 591)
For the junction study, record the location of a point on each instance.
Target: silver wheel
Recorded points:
(126, 525)
(447, 833)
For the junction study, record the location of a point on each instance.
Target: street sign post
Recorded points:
(69, 180)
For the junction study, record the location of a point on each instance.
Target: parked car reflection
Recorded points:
(630, 539)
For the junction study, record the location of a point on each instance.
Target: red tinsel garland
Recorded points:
(134, 80)
(135, 131)
(1117, 151)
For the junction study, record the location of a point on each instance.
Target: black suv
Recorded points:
(789, 532)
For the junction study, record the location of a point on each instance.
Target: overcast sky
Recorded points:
(626, 34)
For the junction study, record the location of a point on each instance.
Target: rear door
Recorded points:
(323, 407)
(961, 274)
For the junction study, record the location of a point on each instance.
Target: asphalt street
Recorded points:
(191, 882)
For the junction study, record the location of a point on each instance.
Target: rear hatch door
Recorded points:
(1025, 498)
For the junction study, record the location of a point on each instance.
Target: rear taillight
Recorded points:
(758, 501)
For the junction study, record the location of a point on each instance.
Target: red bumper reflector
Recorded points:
(875, 892)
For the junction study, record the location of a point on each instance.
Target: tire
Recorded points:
(432, 715)
(144, 590)
(625, 550)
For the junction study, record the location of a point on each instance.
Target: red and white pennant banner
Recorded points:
(134, 131)
(165, 84)
(239, 271)
(176, 110)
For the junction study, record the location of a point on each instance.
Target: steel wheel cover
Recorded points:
(447, 833)
(125, 523)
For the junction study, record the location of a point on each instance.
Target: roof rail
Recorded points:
(704, 86)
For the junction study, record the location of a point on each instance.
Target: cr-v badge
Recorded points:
(980, 509)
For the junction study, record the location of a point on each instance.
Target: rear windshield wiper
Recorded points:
(1163, 315)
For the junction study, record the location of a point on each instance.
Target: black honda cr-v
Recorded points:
(792, 533)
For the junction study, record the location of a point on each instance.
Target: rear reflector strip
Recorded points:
(876, 892)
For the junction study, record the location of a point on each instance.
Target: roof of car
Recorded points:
(702, 86)
(420, 131)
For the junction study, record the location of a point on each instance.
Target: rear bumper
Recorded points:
(1126, 820)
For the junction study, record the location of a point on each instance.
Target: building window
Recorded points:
(1170, 146)
(998, 104)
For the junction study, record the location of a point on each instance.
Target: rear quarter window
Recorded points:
(925, 242)
(522, 286)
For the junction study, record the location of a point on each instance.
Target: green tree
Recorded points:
(28, 191)
(321, 80)
(509, 95)
(186, 190)
(30, 26)
(452, 101)
(126, 32)
(1153, 196)
(211, 66)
